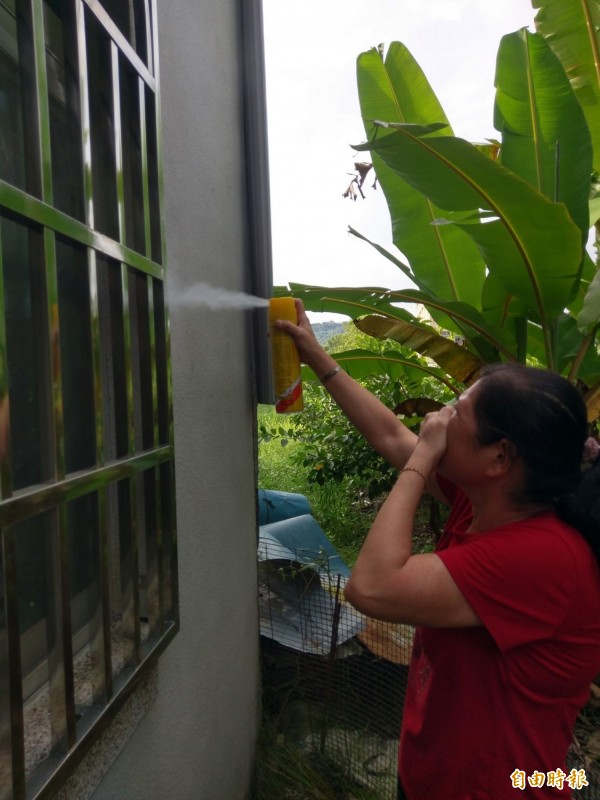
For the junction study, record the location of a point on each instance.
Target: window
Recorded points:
(88, 587)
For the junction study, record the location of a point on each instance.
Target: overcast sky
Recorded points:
(313, 114)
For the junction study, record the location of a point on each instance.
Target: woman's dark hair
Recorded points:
(544, 417)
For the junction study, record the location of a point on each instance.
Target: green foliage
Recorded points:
(320, 454)
(340, 505)
(342, 510)
(334, 450)
(349, 337)
(328, 447)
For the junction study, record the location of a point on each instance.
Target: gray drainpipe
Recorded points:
(258, 207)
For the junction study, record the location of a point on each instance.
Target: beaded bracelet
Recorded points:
(413, 469)
(329, 375)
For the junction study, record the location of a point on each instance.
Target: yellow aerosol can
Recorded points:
(287, 375)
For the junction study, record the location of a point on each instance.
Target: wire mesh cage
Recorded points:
(334, 680)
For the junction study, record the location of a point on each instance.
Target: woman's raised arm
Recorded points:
(377, 423)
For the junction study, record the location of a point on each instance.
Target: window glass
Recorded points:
(132, 158)
(102, 122)
(38, 580)
(148, 554)
(162, 387)
(76, 356)
(63, 98)
(19, 154)
(130, 17)
(168, 547)
(25, 309)
(123, 578)
(12, 106)
(115, 424)
(141, 363)
(153, 178)
(85, 574)
(5, 718)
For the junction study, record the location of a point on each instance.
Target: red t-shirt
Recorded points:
(490, 710)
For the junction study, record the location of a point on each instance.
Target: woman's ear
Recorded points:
(504, 456)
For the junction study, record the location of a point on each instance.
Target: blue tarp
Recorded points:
(274, 506)
(300, 539)
(298, 575)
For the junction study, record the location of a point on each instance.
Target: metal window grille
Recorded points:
(88, 582)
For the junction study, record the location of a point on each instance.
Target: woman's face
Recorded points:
(462, 459)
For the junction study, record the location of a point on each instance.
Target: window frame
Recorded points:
(150, 464)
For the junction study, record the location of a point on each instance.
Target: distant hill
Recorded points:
(323, 330)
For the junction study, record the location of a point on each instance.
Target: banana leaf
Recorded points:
(588, 273)
(589, 316)
(577, 356)
(433, 306)
(358, 302)
(445, 262)
(533, 247)
(457, 361)
(545, 138)
(363, 363)
(571, 29)
(353, 302)
(505, 312)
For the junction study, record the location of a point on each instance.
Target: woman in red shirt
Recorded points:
(507, 610)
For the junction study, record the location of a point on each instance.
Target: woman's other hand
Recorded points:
(433, 436)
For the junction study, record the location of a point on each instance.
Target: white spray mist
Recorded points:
(203, 295)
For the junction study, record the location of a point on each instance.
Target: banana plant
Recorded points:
(494, 238)
(442, 261)
(539, 271)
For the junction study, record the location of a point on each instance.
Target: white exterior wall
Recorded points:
(197, 740)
